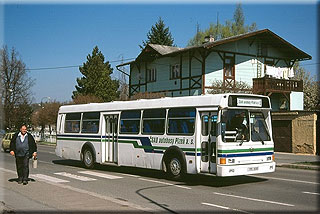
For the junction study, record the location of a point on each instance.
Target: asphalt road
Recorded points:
(64, 185)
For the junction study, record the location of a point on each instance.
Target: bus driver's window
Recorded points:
(238, 121)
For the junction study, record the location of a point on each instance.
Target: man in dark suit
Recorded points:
(23, 147)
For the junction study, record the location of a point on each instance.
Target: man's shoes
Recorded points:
(25, 182)
(19, 181)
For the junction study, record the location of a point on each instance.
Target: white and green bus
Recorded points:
(222, 134)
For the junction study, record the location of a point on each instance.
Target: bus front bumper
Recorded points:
(246, 169)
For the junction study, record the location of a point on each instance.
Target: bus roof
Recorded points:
(210, 100)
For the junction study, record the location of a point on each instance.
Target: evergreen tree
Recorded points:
(230, 28)
(159, 34)
(96, 80)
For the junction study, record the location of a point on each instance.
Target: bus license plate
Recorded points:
(251, 169)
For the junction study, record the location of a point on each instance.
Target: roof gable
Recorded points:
(264, 37)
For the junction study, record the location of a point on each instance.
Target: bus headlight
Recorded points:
(231, 160)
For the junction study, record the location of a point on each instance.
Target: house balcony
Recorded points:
(267, 86)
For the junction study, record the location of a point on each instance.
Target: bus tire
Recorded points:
(175, 167)
(88, 158)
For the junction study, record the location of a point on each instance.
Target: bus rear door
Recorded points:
(110, 138)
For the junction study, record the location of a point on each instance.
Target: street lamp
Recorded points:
(49, 98)
(41, 105)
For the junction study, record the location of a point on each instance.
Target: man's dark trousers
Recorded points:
(22, 164)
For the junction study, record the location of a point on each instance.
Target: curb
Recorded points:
(46, 143)
(299, 166)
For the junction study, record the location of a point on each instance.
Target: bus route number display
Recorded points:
(249, 102)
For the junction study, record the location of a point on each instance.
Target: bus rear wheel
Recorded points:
(174, 168)
(88, 158)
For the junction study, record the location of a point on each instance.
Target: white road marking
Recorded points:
(254, 199)
(135, 176)
(101, 175)
(124, 203)
(312, 193)
(8, 170)
(160, 182)
(284, 179)
(49, 178)
(77, 177)
(226, 208)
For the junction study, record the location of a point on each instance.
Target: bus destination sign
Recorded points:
(249, 102)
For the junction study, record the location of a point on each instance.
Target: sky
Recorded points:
(55, 34)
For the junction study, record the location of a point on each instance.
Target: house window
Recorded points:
(175, 71)
(269, 62)
(151, 75)
(229, 66)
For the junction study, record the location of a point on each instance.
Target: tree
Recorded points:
(46, 115)
(158, 34)
(220, 31)
(83, 99)
(240, 87)
(96, 80)
(311, 89)
(15, 89)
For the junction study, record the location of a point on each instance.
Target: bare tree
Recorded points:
(240, 87)
(46, 115)
(16, 91)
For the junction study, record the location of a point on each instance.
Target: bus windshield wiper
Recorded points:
(260, 138)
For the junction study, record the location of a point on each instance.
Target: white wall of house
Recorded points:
(296, 101)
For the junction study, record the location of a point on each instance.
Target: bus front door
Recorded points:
(110, 138)
(208, 142)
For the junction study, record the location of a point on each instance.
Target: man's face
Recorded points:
(23, 130)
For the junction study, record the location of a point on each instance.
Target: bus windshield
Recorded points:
(259, 130)
(235, 126)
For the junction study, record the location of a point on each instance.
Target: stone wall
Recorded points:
(303, 130)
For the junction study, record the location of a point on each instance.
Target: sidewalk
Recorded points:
(37, 197)
(298, 161)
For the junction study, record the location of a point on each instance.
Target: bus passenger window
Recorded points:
(72, 123)
(153, 121)
(90, 122)
(204, 127)
(181, 121)
(130, 122)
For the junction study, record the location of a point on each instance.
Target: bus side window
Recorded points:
(181, 121)
(90, 122)
(130, 121)
(153, 121)
(72, 123)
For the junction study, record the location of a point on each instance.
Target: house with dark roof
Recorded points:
(261, 60)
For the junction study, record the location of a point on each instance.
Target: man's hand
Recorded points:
(34, 154)
(12, 153)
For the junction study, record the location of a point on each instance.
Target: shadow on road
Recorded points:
(187, 180)
(16, 180)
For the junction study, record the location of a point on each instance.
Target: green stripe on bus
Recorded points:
(245, 150)
(79, 139)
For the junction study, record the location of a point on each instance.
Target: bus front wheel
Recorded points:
(88, 158)
(174, 168)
